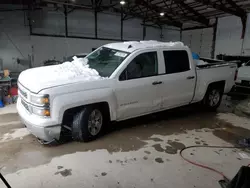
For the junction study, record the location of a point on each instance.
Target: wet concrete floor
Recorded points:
(24, 152)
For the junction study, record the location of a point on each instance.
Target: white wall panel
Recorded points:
(228, 38)
(246, 42)
(196, 40)
(171, 35)
(48, 22)
(187, 38)
(132, 29)
(81, 23)
(14, 40)
(199, 40)
(108, 26)
(153, 33)
(207, 42)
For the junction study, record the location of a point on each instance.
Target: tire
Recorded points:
(213, 98)
(88, 124)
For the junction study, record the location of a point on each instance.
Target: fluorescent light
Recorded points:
(122, 2)
(162, 14)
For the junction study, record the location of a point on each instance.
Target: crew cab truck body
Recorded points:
(139, 78)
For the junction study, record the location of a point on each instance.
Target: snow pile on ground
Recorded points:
(15, 133)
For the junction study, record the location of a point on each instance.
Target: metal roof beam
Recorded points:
(235, 10)
(198, 17)
(157, 10)
(222, 8)
(136, 15)
(236, 7)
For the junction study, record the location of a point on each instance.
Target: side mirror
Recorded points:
(244, 64)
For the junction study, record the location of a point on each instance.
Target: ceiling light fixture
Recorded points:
(122, 2)
(162, 14)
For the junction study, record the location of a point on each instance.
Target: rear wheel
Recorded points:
(213, 97)
(87, 124)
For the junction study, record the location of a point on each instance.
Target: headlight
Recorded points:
(41, 111)
(40, 100)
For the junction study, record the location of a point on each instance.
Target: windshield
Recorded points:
(106, 60)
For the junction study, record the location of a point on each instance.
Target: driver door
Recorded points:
(136, 88)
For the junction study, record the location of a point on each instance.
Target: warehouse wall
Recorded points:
(199, 40)
(15, 41)
(171, 34)
(228, 38)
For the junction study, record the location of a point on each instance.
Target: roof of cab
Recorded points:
(131, 46)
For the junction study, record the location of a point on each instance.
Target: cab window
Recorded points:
(143, 65)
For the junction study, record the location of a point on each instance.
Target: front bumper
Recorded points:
(43, 128)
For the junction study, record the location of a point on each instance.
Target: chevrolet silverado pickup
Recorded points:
(117, 81)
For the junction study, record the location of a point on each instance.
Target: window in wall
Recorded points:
(143, 65)
(176, 61)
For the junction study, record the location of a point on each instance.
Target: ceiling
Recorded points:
(178, 13)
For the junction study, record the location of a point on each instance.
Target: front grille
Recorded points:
(23, 93)
(25, 105)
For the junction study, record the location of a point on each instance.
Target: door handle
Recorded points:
(190, 77)
(157, 82)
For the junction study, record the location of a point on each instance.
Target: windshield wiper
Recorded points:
(4, 181)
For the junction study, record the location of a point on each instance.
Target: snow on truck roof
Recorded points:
(131, 46)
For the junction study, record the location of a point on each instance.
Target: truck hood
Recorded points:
(244, 73)
(37, 79)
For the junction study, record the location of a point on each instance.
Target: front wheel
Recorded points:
(213, 98)
(87, 124)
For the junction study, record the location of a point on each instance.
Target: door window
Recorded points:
(143, 65)
(176, 61)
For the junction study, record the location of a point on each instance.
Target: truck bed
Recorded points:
(215, 65)
(214, 72)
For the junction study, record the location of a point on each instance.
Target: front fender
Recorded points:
(61, 103)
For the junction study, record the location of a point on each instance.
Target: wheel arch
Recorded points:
(217, 84)
(69, 113)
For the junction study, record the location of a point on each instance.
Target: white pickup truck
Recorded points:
(117, 81)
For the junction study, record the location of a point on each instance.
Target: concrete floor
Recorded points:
(142, 152)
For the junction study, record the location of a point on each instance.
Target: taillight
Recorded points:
(236, 74)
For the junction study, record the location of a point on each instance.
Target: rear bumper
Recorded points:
(43, 128)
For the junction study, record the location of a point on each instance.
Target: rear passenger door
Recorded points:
(179, 79)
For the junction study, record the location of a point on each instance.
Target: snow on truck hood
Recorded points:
(37, 79)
